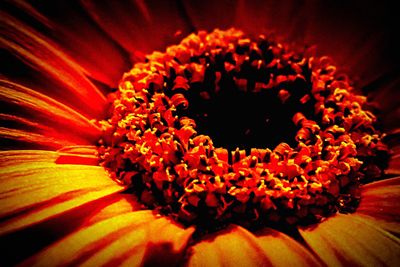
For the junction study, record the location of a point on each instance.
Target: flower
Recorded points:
(58, 207)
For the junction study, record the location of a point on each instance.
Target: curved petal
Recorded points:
(380, 203)
(82, 155)
(236, 246)
(393, 141)
(282, 250)
(68, 24)
(394, 165)
(38, 105)
(44, 55)
(34, 190)
(230, 247)
(39, 158)
(125, 203)
(45, 118)
(28, 138)
(206, 15)
(385, 98)
(140, 26)
(347, 240)
(125, 239)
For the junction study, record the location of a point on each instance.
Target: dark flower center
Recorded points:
(237, 118)
(222, 128)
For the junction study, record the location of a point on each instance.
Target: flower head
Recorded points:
(228, 141)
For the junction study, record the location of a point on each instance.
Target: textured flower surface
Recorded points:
(113, 154)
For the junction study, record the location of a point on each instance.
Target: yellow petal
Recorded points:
(86, 242)
(125, 239)
(44, 55)
(347, 240)
(33, 191)
(236, 246)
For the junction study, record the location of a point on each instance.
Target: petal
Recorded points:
(282, 250)
(85, 242)
(15, 157)
(35, 190)
(393, 141)
(394, 165)
(346, 240)
(235, 246)
(125, 239)
(382, 96)
(31, 105)
(140, 26)
(30, 138)
(68, 24)
(34, 48)
(125, 203)
(380, 203)
(82, 155)
(42, 121)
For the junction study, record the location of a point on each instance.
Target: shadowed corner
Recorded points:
(162, 254)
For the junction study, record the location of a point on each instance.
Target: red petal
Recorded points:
(80, 38)
(44, 55)
(142, 26)
(45, 117)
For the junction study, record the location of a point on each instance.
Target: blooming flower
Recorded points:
(58, 206)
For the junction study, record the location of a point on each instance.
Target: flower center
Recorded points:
(237, 115)
(223, 128)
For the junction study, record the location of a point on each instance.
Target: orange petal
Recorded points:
(230, 247)
(34, 48)
(282, 250)
(125, 203)
(124, 239)
(380, 200)
(347, 240)
(33, 191)
(236, 246)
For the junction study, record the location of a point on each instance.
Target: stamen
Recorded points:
(228, 128)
